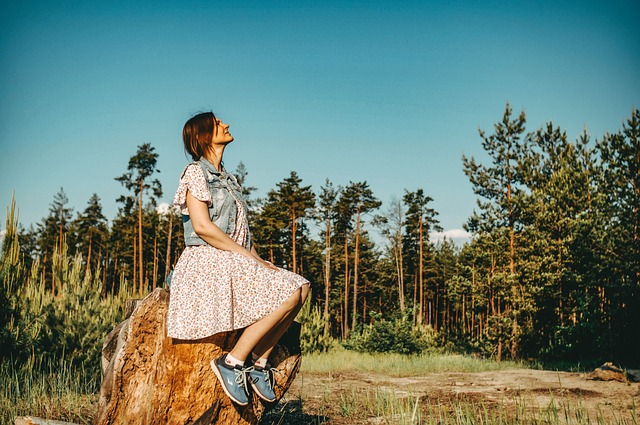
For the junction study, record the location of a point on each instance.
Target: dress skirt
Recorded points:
(217, 291)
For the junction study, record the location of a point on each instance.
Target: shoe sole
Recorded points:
(224, 387)
(259, 394)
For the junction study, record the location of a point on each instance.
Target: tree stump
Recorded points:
(610, 372)
(149, 378)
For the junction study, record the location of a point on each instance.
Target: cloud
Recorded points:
(457, 235)
(163, 208)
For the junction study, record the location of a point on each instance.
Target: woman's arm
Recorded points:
(209, 232)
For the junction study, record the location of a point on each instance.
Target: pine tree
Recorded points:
(51, 232)
(297, 201)
(362, 201)
(419, 224)
(392, 226)
(326, 214)
(500, 185)
(91, 232)
(620, 160)
(140, 169)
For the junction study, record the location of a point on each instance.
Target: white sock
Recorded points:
(258, 361)
(232, 361)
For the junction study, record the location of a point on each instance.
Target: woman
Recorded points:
(220, 283)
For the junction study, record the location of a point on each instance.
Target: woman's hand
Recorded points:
(267, 264)
(261, 261)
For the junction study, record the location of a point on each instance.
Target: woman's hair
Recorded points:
(198, 133)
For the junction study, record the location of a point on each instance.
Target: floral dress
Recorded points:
(213, 290)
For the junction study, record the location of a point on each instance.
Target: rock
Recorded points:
(610, 372)
(149, 378)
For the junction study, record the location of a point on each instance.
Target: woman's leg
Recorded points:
(255, 332)
(264, 347)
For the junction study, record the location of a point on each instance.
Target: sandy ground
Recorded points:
(318, 398)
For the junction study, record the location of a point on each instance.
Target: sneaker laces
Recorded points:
(241, 377)
(268, 375)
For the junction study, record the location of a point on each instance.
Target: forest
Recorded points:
(552, 272)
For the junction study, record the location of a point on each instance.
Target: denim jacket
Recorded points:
(225, 190)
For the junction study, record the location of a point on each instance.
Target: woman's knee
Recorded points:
(293, 301)
(304, 292)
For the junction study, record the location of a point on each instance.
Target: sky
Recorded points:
(391, 93)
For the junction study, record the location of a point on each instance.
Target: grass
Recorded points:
(52, 391)
(377, 406)
(56, 391)
(347, 404)
(341, 360)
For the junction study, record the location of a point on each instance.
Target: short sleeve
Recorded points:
(192, 180)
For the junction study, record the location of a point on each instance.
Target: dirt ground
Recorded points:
(318, 398)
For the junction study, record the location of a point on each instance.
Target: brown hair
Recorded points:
(198, 133)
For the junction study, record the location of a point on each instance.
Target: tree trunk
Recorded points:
(140, 265)
(150, 378)
(169, 234)
(294, 231)
(356, 263)
(403, 305)
(155, 262)
(136, 281)
(89, 252)
(327, 278)
(346, 287)
(420, 272)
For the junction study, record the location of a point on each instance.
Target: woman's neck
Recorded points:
(214, 156)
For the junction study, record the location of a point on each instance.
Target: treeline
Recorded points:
(552, 271)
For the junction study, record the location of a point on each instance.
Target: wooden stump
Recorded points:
(149, 378)
(610, 372)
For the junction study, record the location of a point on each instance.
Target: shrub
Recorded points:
(312, 337)
(68, 326)
(397, 336)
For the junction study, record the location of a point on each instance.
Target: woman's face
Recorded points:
(221, 135)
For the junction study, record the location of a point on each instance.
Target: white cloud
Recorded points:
(457, 235)
(163, 208)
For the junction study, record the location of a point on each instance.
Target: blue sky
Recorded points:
(391, 93)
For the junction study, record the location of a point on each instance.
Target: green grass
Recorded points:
(398, 365)
(56, 391)
(52, 391)
(379, 406)
(350, 405)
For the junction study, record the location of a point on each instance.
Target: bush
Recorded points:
(312, 337)
(398, 336)
(68, 326)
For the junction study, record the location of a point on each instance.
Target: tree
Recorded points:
(297, 201)
(500, 184)
(360, 197)
(620, 182)
(326, 214)
(140, 169)
(343, 227)
(241, 174)
(392, 225)
(90, 230)
(51, 232)
(268, 232)
(557, 175)
(420, 221)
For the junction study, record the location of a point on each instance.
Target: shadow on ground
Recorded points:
(289, 412)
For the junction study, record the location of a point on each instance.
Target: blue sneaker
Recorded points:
(232, 379)
(261, 379)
